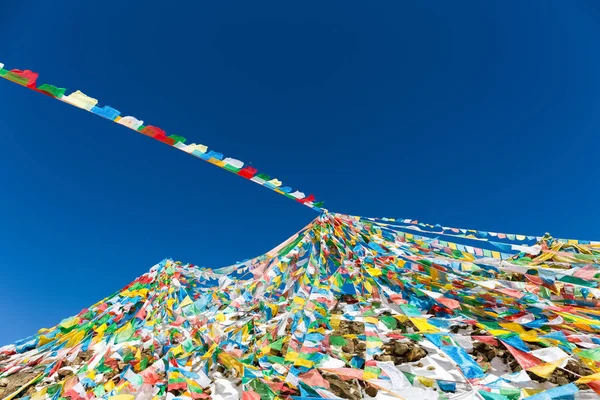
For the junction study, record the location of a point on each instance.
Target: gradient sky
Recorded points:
(471, 114)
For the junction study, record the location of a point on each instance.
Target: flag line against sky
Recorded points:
(28, 78)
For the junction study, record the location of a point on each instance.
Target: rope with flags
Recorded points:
(28, 79)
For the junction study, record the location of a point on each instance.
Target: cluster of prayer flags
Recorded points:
(349, 307)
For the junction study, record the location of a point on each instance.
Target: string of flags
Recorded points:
(350, 308)
(28, 79)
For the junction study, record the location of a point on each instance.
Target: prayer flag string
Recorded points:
(28, 79)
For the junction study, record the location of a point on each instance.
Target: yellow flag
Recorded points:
(291, 356)
(110, 385)
(529, 336)
(374, 271)
(426, 381)
(544, 370)
(424, 326)
(229, 361)
(44, 340)
(334, 321)
(304, 363)
(369, 375)
(512, 326)
(589, 378)
(186, 302)
(122, 397)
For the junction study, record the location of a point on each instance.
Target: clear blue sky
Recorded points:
(471, 114)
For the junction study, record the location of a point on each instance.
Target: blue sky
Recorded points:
(471, 114)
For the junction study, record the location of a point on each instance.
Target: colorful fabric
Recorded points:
(349, 307)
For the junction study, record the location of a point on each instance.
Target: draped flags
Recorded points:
(345, 308)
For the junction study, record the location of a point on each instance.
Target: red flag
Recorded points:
(450, 303)
(250, 395)
(486, 339)
(306, 199)
(247, 172)
(525, 360)
(595, 386)
(25, 78)
(153, 131)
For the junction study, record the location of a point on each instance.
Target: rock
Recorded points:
(561, 380)
(351, 327)
(415, 353)
(514, 366)
(371, 391)
(63, 373)
(400, 349)
(361, 346)
(348, 348)
(85, 355)
(385, 357)
(176, 392)
(388, 349)
(344, 389)
(14, 382)
(576, 368)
